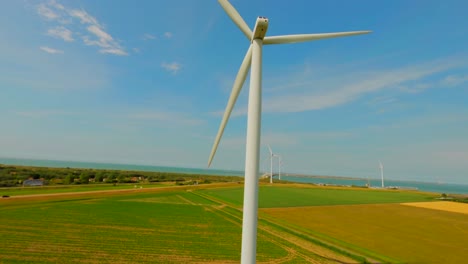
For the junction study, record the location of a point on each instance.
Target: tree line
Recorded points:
(11, 176)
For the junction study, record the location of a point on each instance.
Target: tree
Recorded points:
(35, 176)
(99, 176)
(69, 179)
(121, 178)
(84, 178)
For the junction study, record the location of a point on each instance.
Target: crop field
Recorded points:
(173, 225)
(199, 224)
(75, 188)
(305, 195)
(408, 234)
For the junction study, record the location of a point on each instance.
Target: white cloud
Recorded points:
(51, 50)
(118, 52)
(53, 11)
(168, 34)
(56, 12)
(454, 80)
(56, 5)
(46, 12)
(61, 32)
(103, 36)
(104, 40)
(173, 67)
(83, 16)
(148, 36)
(317, 93)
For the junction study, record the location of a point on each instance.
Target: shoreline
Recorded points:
(451, 188)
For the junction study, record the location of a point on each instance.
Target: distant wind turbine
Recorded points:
(272, 155)
(381, 173)
(279, 166)
(253, 60)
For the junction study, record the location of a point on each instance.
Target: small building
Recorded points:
(33, 182)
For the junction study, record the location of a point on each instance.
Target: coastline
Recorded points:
(448, 188)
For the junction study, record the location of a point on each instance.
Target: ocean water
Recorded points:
(447, 188)
(421, 186)
(113, 166)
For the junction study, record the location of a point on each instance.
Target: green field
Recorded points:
(293, 196)
(171, 225)
(198, 224)
(176, 226)
(75, 188)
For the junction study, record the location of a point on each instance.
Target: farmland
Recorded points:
(407, 233)
(306, 195)
(171, 226)
(165, 225)
(197, 224)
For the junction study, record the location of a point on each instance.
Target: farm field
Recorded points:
(75, 188)
(197, 224)
(163, 225)
(294, 195)
(407, 233)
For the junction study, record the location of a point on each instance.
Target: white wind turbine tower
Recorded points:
(381, 173)
(253, 60)
(279, 166)
(272, 156)
(271, 163)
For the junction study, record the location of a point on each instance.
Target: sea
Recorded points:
(447, 188)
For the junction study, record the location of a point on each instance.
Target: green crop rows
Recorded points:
(166, 227)
(293, 196)
(175, 225)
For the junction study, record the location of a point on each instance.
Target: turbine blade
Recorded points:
(238, 83)
(309, 37)
(236, 18)
(271, 152)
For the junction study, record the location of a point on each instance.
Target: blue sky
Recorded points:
(146, 82)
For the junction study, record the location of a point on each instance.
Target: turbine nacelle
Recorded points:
(260, 29)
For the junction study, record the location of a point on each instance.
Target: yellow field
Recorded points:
(407, 233)
(443, 206)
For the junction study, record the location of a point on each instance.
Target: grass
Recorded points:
(293, 196)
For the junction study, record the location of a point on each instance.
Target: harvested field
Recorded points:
(407, 233)
(442, 205)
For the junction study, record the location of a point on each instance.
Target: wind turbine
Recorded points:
(381, 173)
(279, 166)
(271, 163)
(253, 60)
